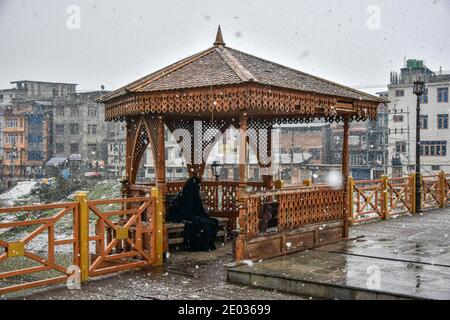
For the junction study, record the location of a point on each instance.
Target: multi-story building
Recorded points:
(434, 119)
(42, 90)
(368, 157)
(116, 148)
(6, 97)
(80, 129)
(27, 125)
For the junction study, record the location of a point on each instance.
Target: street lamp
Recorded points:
(418, 89)
(216, 168)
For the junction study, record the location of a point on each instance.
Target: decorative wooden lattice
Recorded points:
(232, 99)
(313, 205)
(296, 208)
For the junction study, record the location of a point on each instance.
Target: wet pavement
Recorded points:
(186, 275)
(407, 257)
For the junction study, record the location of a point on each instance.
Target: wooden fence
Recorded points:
(389, 197)
(103, 236)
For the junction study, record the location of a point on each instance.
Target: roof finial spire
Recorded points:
(219, 39)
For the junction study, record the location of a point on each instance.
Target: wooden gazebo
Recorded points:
(208, 92)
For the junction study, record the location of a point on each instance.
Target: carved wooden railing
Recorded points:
(221, 197)
(297, 207)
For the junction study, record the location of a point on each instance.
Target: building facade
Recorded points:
(27, 125)
(42, 120)
(80, 129)
(434, 119)
(368, 141)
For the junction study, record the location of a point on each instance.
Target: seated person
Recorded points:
(199, 229)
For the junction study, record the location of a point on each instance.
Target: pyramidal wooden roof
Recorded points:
(221, 66)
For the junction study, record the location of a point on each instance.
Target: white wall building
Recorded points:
(435, 111)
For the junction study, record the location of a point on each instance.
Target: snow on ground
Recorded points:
(22, 189)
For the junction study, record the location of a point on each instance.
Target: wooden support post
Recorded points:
(161, 162)
(442, 191)
(129, 151)
(384, 197)
(350, 199)
(412, 194)
(83, 214)
(242, 156)
(240, 240)
(158, 225)
(161, 159)
(345, 174)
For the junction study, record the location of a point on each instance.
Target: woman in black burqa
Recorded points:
(199, 229)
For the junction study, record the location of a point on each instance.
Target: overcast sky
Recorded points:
(114, 42)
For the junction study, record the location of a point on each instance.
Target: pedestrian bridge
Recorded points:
(47, 244)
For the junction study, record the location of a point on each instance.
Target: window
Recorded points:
(12, 123)
(424, 96)
(12, 138)
(399, 93)
(398, 118)
(74, 128)
(59, 129)
(354, 140)
(60, 148)
(11, 155)
(92, 111)
(92, 129)
(442, 95)
(400, 146)
(442, 121)
(74, 148)
(74, 111)
(435, 167)
(151, 170)
(35, 156)
(179, 170)
(433, 148)
(423, 121)
(92, 148)
(60, 112)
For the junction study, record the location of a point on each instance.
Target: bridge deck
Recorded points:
(410, 254)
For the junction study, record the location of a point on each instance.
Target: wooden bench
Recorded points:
(175, 232)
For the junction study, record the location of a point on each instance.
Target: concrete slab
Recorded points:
(404, 258)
